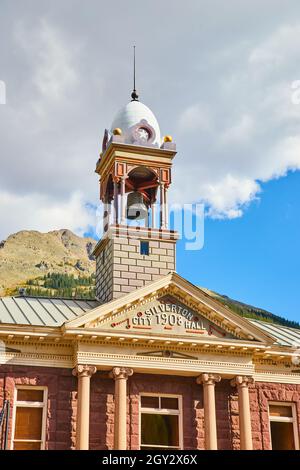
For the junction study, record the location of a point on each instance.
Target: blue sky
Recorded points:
(256, 258)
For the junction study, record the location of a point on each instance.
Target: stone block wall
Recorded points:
(260, 395)
(120, 268)
(62, 400)
(223, 391)
(102, 412)
(62, 407)
(104, 271)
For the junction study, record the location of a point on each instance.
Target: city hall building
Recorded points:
(153, 362)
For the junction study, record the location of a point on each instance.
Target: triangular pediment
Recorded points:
(162, 315)
(170, 307)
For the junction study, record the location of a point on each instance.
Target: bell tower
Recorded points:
(135, 165)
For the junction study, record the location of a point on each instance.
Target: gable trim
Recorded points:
(187, 293)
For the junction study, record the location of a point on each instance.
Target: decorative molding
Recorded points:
(274, 377)
(134, 154)
(164, 365)
(241, 381)
(81, 370)
(198, 307)
(189, 295)
(37, 359)
(42, 345)
(208, 379)
(135, 340)
(121, 373)
(167, 353)
(273, 361)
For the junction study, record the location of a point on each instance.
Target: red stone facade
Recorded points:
(260, 394)
(62, 392)
(62, 403)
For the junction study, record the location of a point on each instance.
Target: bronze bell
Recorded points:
(136, 208)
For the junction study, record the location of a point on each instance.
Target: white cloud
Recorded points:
(277, 50)
(195, 118)
(254, 127)
(225, 98)
(284, 157)
(241, 131)
(46, 147)
(39, 212)
(227, 197)
(54, 76)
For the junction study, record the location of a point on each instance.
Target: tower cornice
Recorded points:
(135, 154)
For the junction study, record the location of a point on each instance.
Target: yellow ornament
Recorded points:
(117, 131)
(168, 138)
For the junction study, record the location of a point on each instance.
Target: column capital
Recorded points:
(84, 370)
(242, 381)
(208, 379)
(121, 373)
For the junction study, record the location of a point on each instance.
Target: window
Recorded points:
(160, 422)
(29, 418)
(283, 426)
(144, 248)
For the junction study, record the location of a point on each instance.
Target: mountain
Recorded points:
(251, 312)
(60, 264)
(30, 255)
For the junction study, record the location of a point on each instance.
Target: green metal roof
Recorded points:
(42, 311)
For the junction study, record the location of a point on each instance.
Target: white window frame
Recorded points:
(30, 404)
(285, 419)
(162, 411)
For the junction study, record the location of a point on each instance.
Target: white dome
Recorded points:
(132, 114)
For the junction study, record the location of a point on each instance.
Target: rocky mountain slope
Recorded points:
(251, 312)
(28, 255)
(60, 263)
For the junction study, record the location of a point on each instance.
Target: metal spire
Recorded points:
(134, 95)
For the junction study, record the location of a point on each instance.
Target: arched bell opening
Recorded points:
(133, 197)
(107, 196)
(142, 183)
(143, 180)
(107, 190)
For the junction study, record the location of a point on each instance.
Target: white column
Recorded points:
(116, 202)
(123, 208)
(120, 375)
(210, 422)
(84, 374)
(153, 215)
(242, 382)
(147, 218)
(162, 206)
(166, 207)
